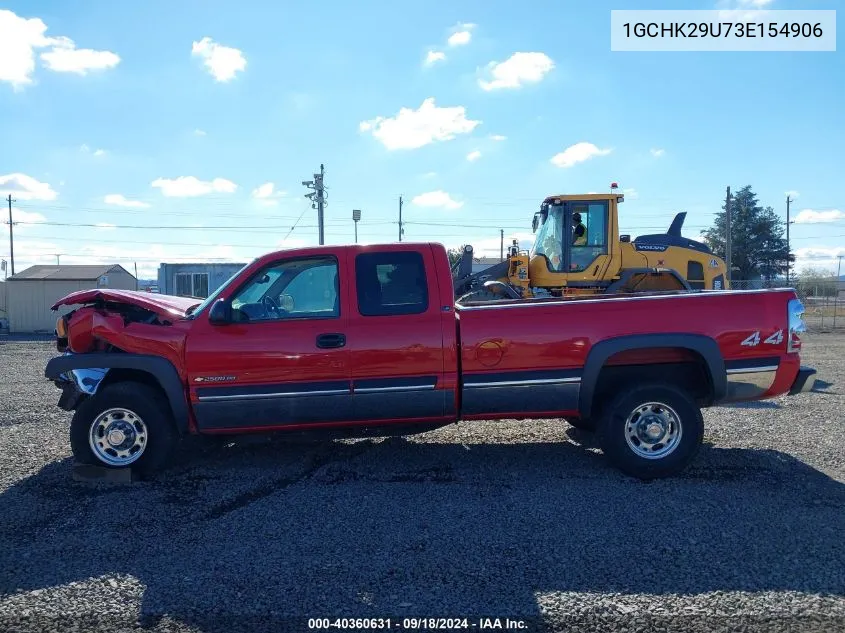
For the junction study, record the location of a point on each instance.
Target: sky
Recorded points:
(146, 132)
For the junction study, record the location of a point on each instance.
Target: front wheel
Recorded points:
(125, 425)
(651, 431)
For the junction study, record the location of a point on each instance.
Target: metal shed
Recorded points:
(31, 292)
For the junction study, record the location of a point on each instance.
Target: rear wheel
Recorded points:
(125, 425)
(651, 431)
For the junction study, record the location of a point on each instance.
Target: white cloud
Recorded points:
(809, 216)
(189, 186)
(742, 10)
(436, 199)
(222, 61)
(24, 220)
(791, 194)
(411, 129)
(120, 200)
(25, 187)
(199, 132)
(577, 153)
(87, 150)
(64, 57)
(657, 152)
(498, 137)
(824, 257)
(429, 174)
(105, 226)
(267, 195)
(20, 37)
(434, 56)
(633, 194)
(473, 155)
(517, 70)
(460, 38)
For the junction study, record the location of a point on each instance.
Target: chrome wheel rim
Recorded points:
(653, 430)
(118, 437)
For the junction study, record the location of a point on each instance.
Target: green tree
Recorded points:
(758, 245)
(454, 255)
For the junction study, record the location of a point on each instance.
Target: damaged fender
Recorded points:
(84, 373)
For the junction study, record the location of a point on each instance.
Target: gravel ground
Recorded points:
(522, 520)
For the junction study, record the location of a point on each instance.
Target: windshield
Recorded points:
(549, 240)
(213, 296)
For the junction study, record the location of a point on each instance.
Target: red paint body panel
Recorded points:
(449, 363)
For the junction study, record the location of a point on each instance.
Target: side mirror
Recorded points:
(220, 312)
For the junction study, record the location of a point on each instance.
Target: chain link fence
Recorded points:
(824, 301)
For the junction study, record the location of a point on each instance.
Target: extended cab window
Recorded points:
(391, 283)
(293, 289)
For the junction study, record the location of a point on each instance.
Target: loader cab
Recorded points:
(572, 233)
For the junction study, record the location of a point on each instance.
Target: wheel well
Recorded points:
(680, 367)
(124, 374)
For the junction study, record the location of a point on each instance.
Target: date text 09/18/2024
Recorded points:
(418, 624)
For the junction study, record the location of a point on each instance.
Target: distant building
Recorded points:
(31, 292)
(194, 280)
(482, 263)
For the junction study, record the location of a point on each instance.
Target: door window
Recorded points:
(293, 289)
(391, 283)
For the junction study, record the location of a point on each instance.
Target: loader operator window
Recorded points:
(589, 239)
(549, 240)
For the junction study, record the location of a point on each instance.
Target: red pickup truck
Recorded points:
(367, 340)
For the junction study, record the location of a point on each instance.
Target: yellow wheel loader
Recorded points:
(578, 250)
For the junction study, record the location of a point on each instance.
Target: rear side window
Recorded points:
(391, 283)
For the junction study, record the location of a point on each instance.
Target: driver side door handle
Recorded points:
(328, 341)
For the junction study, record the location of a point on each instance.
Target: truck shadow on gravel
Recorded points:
(243, 536)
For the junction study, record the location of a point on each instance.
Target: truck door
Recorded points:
(396, 343)
(284, 358)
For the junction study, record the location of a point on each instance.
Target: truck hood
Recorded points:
(162, 305)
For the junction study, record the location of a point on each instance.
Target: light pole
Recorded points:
(356, 215)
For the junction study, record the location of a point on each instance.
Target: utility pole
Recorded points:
(788, 252)
(401, 230)
(58, 255)
(501, 245)
(320, 202)
(728, 233)
(11, 235)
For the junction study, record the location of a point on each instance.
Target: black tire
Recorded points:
(613, 422)
(584, 424)
(145, 402)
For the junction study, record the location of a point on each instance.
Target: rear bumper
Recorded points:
(804, 381)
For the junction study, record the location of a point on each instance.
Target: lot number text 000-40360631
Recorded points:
(737, 30)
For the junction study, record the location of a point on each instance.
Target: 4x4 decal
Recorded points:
(754, 339)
